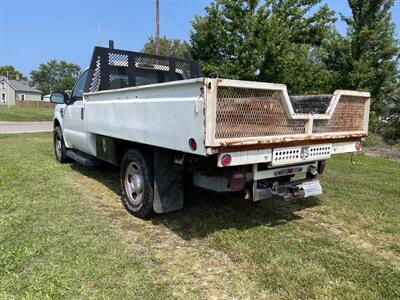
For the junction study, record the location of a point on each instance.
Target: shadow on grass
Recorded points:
(205, 213)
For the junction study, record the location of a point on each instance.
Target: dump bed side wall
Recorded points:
(248, 113)
(162, 115)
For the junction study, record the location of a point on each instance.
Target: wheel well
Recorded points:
(121, 146)
(56, 123)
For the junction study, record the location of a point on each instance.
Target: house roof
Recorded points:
(20, 86)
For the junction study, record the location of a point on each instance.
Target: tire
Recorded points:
(137, 181)
(60, 150)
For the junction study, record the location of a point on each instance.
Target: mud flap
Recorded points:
(168, 182)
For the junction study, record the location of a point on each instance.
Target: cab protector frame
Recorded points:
(113, 68)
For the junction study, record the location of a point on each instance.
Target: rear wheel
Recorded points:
(60, 150)
(136, 178)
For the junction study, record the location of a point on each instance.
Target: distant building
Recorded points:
(12, 90)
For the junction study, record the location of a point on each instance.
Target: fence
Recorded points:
(36, 104)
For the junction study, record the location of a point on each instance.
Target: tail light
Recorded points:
(193, 144)
(226, 160)
(237, 181)
(357, 146)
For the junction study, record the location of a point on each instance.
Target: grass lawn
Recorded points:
(64, 233)
(22, 114)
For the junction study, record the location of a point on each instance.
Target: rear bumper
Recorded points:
(288, 191)
(289, 155)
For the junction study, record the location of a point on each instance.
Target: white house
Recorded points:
(12, 90)
(46, 98)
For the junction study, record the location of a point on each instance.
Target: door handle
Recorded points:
(82, 113)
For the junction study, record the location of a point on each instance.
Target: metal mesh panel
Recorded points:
(118, 78)
(95, 82)
(182, 70)
(245, 113)
(119, 60)
(152, 70)
(113, 68)
(151, 63)
(348, 116)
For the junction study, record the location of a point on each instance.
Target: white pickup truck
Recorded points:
(160, 122)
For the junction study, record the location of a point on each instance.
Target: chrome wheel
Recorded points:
(60, 151)
(134, 183)
(58, 146)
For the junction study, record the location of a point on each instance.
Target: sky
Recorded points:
(35, 31)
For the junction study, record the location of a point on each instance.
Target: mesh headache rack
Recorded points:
(113, 69)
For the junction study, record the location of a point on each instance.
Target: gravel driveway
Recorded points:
(25, 127)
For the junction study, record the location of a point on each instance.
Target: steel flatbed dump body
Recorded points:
(160, 121)
(222, 116)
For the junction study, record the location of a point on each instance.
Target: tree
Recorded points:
(274, 41)
(168, 47)
(13, 73)
(373, 52)
(55, 76)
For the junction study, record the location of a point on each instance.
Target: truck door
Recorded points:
(74, 131)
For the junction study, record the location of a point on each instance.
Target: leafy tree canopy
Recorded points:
(373, 52)
(13, 73)
(284, 41)
(168, 47)
(55, 76)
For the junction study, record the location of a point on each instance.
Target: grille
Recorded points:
(242, 113)
(348, 116)
(291, 155)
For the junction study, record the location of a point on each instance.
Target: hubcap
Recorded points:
(58, 146)
(134, 183)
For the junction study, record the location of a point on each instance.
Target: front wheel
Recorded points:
(136, 178)
(60, 150)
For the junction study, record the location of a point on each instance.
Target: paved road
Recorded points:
(25, 127)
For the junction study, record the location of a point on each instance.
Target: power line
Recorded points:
(173, 19)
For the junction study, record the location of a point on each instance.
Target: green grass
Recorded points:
(64, 233)
(23, 114)
(372, 141)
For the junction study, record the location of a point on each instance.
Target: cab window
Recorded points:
(77, 92)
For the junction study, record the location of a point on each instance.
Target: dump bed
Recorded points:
(224, 115)
(254, 113)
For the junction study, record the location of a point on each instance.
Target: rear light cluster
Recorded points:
(357, 146)
(226, 160)
(237, 181)
(193, 144)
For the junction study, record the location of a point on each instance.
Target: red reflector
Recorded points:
(226, 160)
(290, 171)
(193, 144)
(358, 146)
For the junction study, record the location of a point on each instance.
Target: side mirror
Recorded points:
(59, 98)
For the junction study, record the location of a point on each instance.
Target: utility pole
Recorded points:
(157, 27)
